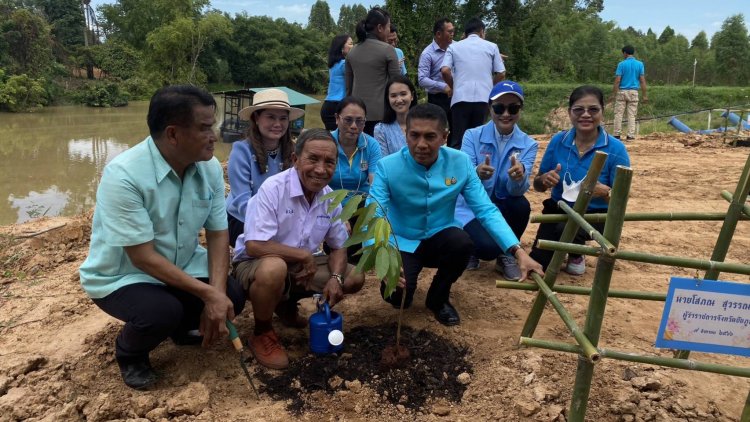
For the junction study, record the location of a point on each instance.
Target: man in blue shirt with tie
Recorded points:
(629, 77)
(430, 62)
(418, 187)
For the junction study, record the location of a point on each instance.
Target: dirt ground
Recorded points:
(56, 347)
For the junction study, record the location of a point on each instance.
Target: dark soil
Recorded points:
(431, 372)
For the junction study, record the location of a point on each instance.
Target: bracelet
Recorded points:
(513, 249)
(338, 278)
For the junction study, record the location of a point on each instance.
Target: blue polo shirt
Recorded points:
(485, 140)
(352, 172)
(140, 199)
(562, 150)
(630, 71)
(420, 201)
(336, 83)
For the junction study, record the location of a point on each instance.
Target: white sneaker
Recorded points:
(576, 266)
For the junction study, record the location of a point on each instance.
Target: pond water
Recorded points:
(52, 159)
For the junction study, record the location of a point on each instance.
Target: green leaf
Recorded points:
(350, 208)
(381, 262)
(378, 234)
(336, 196)
(362, 264)
(355, 239)
(365, 215)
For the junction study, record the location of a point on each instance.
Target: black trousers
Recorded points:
(328, 114)
(448, 251)
(553, 231)
(236, 228)
(443, 101)
(515, 210)
(154, 312)
(466, 116)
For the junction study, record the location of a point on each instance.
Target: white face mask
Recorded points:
(571, 189)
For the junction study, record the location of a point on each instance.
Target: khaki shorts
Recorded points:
(244, 272)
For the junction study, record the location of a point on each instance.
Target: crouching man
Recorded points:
(285, 223)
(145, 265)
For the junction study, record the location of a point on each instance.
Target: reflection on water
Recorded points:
(52, 159)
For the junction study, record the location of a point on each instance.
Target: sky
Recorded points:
(686, 17)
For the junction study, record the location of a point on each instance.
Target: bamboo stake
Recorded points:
(632, 357)
(641, 216)
(588, 228)
(584, 291)
(600, 288)
(745, 208)
(589, 351)
(721, 248)
(569, 232)
(675, 261)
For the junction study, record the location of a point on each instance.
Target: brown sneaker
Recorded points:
(268, 351)
(288, 314)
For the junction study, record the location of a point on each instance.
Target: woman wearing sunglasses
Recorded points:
(503, 156)
(565, 164)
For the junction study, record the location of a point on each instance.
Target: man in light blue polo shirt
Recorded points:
(629, 77)
(471, 67)
(418, 187)
(430, 62)
(145, 265)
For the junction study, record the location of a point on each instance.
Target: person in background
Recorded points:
(471, 67)
(400, 98)
(417, 189)
(146, 266)
(358, 153)
(565, 164)
(267, 150)
(430, 62)
(274, 258)
(340, 47)
(371, 63)
(503, 156)
(629, 77)
(393, 40)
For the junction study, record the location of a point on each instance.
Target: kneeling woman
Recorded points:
(565, 164)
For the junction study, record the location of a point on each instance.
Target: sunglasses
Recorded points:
(592, 111)
(348, 121)
(513, 109)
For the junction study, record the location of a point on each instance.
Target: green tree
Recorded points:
(700, 41)
(27, 40)
(320, 18)
(132, 20)
(348, 18)
(21, 93)
(118, 59)
(666, 35)
(66, 19)
(174, 48)
(731, 48)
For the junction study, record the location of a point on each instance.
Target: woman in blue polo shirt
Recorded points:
(358, 152)
(565, 164)
(340, 47)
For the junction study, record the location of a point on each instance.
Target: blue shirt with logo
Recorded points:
(352, 172)
(630, 71)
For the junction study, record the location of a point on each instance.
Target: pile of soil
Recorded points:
(56, 346)
(439, 370)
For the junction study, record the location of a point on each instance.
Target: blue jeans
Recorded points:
(516, 211)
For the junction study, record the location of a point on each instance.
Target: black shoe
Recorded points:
(630, 138)
(446, 314)
(395, 298)
(617, 136)
(137, 373)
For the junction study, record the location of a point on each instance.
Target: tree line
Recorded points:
(144, 44)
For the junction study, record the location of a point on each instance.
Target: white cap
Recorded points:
(335, 337)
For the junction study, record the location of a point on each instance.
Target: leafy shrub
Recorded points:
(102, 94)
(21, 93)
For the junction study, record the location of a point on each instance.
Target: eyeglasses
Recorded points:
(513, 109)
(349, 120)
(592, 111)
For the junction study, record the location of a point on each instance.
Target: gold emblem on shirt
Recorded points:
(450, 181)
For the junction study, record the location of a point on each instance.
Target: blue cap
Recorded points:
(506, 87)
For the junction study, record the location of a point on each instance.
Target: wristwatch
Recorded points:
(338, 278)
(513, 249)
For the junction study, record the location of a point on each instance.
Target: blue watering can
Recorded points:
(326, 330)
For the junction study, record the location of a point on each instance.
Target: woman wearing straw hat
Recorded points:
(267, 150)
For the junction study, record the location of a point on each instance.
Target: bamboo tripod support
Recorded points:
(608, 252)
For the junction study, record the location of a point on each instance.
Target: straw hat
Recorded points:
(271, 98)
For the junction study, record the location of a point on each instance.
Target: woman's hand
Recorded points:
(548, 180)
